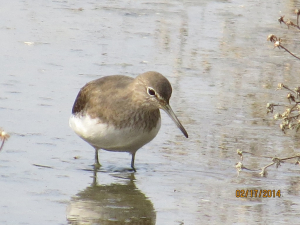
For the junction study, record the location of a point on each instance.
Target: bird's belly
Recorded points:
(107, 137)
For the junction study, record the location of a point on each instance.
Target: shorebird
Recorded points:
(119, 113)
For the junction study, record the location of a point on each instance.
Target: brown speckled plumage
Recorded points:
(110, 95)
(120, 113)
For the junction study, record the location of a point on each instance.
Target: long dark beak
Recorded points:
(167, 108)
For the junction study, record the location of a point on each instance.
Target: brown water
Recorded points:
(223, 73)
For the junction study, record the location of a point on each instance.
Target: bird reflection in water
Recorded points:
(117, 204)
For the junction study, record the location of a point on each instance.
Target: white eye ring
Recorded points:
(151, 91)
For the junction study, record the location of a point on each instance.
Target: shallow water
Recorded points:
(223, 72)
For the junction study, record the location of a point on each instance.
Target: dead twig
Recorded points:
(288, 22)
(278, 44)
(263, 171)
(290, 118)
(3, 137)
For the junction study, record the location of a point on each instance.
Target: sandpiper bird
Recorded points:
(120, 113)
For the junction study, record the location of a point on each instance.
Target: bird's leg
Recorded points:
(97, 164)
(132, 161)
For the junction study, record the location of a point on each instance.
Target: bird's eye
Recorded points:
(151, 91)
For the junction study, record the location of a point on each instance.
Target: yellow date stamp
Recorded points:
(256, 193)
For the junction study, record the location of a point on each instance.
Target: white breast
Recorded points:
(103, 136)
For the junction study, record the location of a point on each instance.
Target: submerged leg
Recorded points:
(132, 161)
(97, 164)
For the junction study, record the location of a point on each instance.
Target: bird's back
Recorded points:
(100, 91)
(110, 100)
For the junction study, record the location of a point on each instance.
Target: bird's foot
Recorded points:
(97, 166)
(134, 170)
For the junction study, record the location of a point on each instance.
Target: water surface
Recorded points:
(223, 72)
